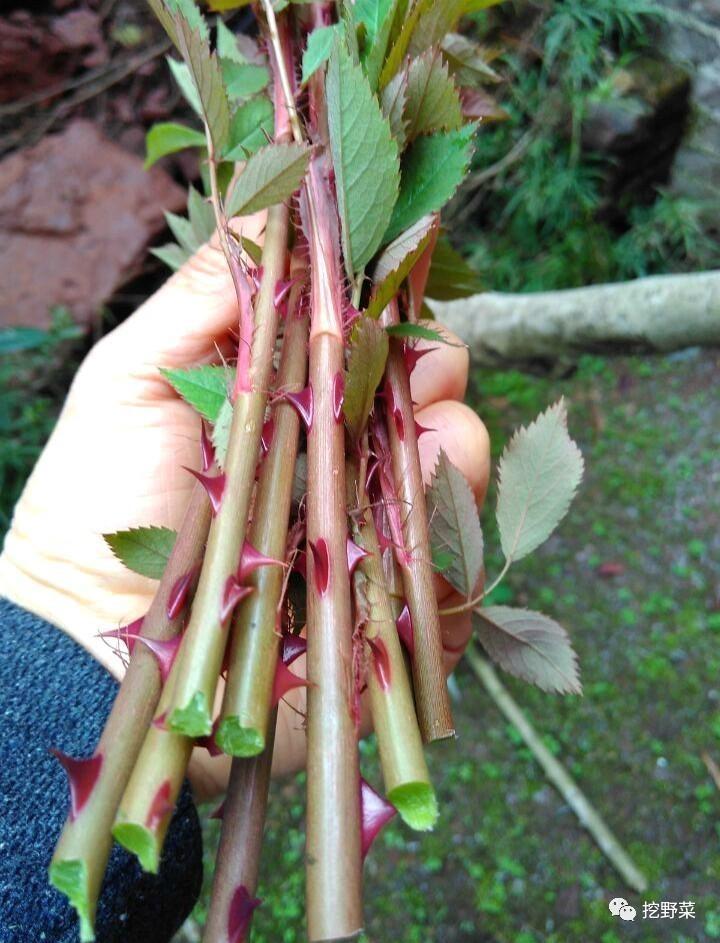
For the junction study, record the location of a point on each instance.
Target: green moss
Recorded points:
(71, 879)
(236, 740)
(194, 720)
(416, 804)
(141, 842)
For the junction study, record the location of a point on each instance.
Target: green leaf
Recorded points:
(250, 128)
(455, 525)
(204, 388)
(530, 646)
(435, 20)
(366, 364)
(220, 6)
(432, 170)
(183, 231)
(365, 158)
(204, 69)
(271, 175)
(433, 103)
(202, 217)
(252, 249)
(396, 262)
(242, 81)
(466, 61)
(399, 47)
(420, 332)
(167, 137)
(378, 18)
(144, 550)
(226, 44)
(319, 46)
(538, 475)
(184, 82)
(170, 12)
(373, 14)
(221, 431)
(393, 101)
(450, 276)
(171, 254)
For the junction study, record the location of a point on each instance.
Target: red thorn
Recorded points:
(375, 813)
(411, 355)
(303, 403)
(282, 290)
(354, 555)
(251, 559)
(284, 682)
(395, 411)
(293, 646)
(160, 722)
(381, 662)
(321, 564)
(405, 629)
(126, 633)
(266, 436)
(240, 914)
(159, 807)
(421, 430)
(177, 597)
(207, 449)
(213, 484)
(82, 776)
(219, 812)
(338, 395)
(233, 593)
(165, 652)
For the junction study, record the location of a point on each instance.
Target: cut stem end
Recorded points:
(194, 720)
(416, 804)
(236, 740)
(71, 879)
(141, 842)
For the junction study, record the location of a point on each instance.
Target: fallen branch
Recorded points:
(570, 791)
(648, 315)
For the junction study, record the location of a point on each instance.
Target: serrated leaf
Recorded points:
(455, 525)
(396, 261)
(401, 41)
(204, 388)
(538, 475)
(450, 275)
(366, 364)
(420, 332)
(393, 100)
(434, 22)
(252, 249)
(319, 46)
(182, 229)
(365, 159)
(433, 102)
(242, 81)
(530, 646)
(144, 550)
(466, 61)
(373, 14)
(377, 17)
(221, 432)
(169, 11)
(171, 254)
(271, 175)
(431, 172)
(167, 137)
(184, 81)
(204, 69)
(250, 128)
(201, 216)
(226, 44)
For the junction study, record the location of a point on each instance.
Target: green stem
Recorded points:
(78, 864)
(238, 857)
(203, 647)
(414, 558)
(255, 639)
(405, 772)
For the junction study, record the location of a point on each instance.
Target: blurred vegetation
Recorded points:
(545, 221)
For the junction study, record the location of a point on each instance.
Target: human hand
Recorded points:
(115, 461)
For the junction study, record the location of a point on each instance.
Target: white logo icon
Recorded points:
(619, 907)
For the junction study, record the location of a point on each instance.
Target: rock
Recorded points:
(76, 215)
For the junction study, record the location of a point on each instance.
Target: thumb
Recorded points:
(188, 318)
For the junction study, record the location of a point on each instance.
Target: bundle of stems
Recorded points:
(367, 145)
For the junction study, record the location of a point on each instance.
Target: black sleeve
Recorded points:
(54, 694)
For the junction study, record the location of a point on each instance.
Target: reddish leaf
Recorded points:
(82, 776)
(375, 812)
(213, 484)
(242, 906)
(159, 807)
(284, 682)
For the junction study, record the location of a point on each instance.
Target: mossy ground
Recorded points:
(508, 861)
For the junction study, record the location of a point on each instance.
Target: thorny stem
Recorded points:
(279, 46)
(238, 857)
(334, 867)
(433, 703)
(82, 852)
(405, 773)
(255, 639)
